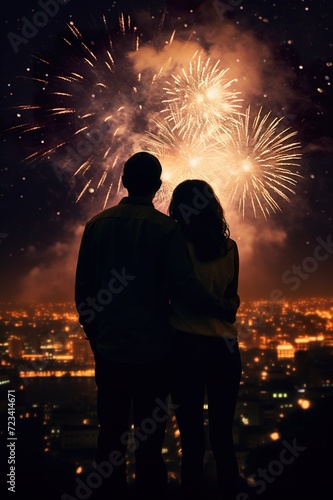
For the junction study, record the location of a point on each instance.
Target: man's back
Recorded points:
(130, 256)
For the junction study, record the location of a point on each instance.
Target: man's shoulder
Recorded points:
(108, 212)
(151, 214)
(164, 219)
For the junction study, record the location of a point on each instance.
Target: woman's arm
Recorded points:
(231, 293)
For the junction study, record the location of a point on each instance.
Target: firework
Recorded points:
(94, 110)
(182, 157)
(259, 162)
(251, 165)
(88, 102)
(200, 98)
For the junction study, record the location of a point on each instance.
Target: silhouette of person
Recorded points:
(131, 260)
(205, 354)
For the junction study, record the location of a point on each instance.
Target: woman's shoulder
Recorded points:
(232, 243)
(232, 252)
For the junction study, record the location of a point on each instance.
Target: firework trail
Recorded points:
(259, 163)
(90, 108)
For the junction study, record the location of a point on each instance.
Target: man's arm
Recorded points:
(84, 288)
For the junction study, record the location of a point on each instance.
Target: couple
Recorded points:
(157, 298)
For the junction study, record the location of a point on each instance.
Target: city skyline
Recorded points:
(42, 335)
(286, 389)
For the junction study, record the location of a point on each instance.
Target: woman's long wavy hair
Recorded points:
(195, 206)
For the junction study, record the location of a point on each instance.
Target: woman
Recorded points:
(205, 352)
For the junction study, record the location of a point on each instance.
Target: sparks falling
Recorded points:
(89, 103)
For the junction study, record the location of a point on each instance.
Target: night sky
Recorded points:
(281, 54)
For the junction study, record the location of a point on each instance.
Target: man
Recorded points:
(131, 260)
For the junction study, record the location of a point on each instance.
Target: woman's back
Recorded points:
(220, 277)
(215, 258)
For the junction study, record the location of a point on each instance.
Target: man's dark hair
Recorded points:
(142, 174)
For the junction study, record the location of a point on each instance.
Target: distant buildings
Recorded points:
(287, 355)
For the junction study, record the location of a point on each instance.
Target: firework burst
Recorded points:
(200, 98)
(182, 157)
(259, 163)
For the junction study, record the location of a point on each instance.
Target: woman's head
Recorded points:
(195, 206)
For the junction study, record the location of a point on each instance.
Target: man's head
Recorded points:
(142, 174)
